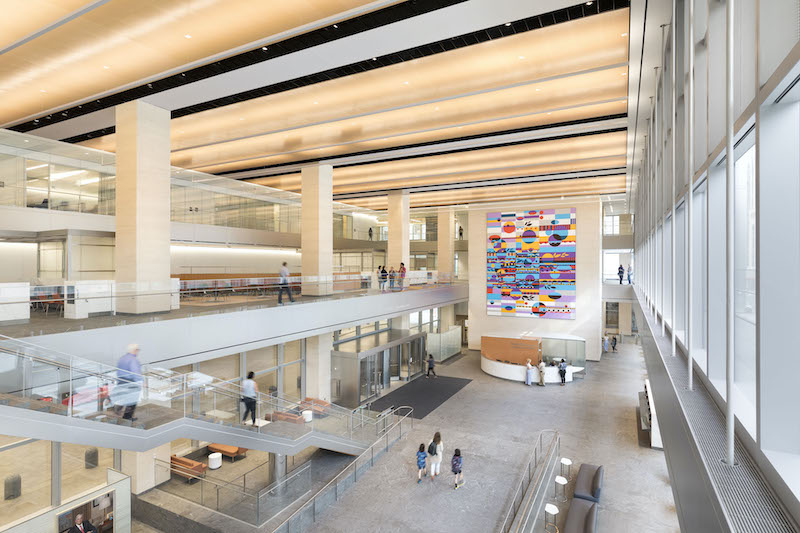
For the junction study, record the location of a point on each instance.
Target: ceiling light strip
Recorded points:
(499, 138)
(559, 77)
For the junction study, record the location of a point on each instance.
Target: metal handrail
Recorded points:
(275, 484)
(219, 483)
(354, 464)
(532, 459)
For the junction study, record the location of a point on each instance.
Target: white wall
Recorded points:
(17, 261)
(588, 321)
(234, 260)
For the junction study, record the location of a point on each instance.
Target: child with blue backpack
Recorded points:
(456, 464)
(422, 458)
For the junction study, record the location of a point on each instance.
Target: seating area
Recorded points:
(232, 452)
(582, 513)
(187, 468)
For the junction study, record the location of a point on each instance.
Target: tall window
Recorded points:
(611, 225)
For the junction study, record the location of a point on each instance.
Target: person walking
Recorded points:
(422, 458)
(436, 451)
(614, 343)
(620, 273)
(129, 383)
(284, 284)
(562, 370)
(460, 233)
(605, 343)
(431, 364)
(456, 466)
(402, 273)
(392, 278)
(249, 395)
(528, 372)
(630, 271)
(542, 366)
(370, 233)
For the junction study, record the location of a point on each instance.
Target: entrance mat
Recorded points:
(424, 395)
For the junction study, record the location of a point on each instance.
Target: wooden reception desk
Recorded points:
(513, 350)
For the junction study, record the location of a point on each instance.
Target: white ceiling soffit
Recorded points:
(545, 133)
(431, 27)
(647, 17)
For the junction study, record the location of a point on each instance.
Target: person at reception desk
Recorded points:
(542, 366)
(528, 372)
(562, 371)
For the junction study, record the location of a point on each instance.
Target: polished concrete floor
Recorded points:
(495, 424)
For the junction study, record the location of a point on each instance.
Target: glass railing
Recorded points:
(252, 505)
(95, 304)
(36, 378)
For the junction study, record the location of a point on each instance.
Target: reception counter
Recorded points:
(515, 372)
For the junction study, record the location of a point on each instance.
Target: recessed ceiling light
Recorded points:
(188, 36)
(538, 89)
(549, 113)
(589, 3)
(336, 26)
(264, 48)
(106, 67)
(522, 57)
(374, 58)
(42, 91)
(405, 83)
(624, 74)
(508, 24)
(27, 141)
(241, 118)
(624, 34)
(315, 103)
(437, 108)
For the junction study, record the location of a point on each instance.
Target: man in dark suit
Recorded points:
(82, 526)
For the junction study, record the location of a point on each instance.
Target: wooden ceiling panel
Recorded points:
(123, 42)
(499, 193)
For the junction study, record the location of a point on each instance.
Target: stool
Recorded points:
(561, 481)
(214, 460)
(568, 463)
(307, 415)
(550, 510)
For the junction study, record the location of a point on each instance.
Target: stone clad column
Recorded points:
(398, 247)
(318, 366)
(142, 252)
(316, 233)
(445, 243)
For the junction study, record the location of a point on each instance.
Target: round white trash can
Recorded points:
(214, 460)
(308, 414)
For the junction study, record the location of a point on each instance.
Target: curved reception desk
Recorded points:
(504, 357)
(516, 372)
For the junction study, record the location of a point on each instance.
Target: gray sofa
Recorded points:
(581, 517)
(589, 483)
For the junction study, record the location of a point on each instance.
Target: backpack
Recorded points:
(432, 448)
(455, 464)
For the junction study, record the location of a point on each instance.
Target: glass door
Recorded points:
(371, 374)
(416, 362)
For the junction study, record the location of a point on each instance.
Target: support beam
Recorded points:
(673, 113)
(689, 104)
(398, 246)
(142, 252)
(316, 233)
(730, 185)
(318, 366)
(445, 242)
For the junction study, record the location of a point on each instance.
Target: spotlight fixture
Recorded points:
(336, 26)
(264, 48)
(508, 24)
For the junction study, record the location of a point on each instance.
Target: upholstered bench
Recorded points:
(278, 416)
(188, 468)
(581, 517)
(234, 452)
(589, 483)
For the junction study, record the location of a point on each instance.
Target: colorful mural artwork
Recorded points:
(530, 264)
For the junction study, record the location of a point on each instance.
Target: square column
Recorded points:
(445, 243)
(447, 317)
(318, 366)
(316, 233)
(398, 247)
(142, 253)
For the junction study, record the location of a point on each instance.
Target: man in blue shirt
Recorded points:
(128, 388)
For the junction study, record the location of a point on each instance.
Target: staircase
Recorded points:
(54, 396)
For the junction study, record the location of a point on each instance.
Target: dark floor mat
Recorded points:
(424, 395)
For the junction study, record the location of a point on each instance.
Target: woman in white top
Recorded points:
(249, 395)
(528, 372)
(436, 459)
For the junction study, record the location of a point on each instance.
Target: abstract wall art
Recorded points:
(530, 264)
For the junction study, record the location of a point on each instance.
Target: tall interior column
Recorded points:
(318, 366)
(398, 247)
(142, 253)
(445, 243)
(316, 233)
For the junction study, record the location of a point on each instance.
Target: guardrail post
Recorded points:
(372, 461)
